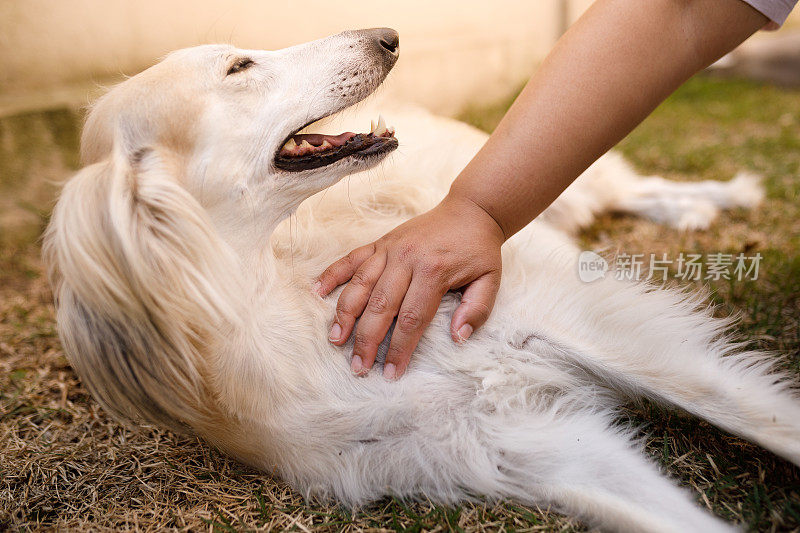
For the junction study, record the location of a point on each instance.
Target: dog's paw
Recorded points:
(745, 190)
(696, 215)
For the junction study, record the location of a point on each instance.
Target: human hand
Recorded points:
(406, 273)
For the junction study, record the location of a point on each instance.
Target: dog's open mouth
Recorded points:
(306, 151)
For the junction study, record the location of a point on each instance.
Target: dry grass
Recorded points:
(65, 465)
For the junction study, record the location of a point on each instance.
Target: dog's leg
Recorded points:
(611, 184)
(737, 393)
(656, 344)
(692, 205)
(583, 467)
(562, 452)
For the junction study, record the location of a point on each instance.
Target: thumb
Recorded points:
(475, 307)
(342, 270)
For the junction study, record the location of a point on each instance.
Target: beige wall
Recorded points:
(451, 51)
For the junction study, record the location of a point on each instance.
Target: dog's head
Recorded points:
(226, 120)
(188, 166)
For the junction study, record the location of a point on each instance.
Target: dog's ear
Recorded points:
(143, 285)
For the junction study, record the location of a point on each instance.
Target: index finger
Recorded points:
(342, 270)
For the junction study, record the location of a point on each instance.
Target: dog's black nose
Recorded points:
(384, 43)
(386, 39)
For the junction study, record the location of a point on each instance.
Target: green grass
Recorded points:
(711, 129)
(64, 464)
(37, 150)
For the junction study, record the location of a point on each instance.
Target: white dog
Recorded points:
(183, 299)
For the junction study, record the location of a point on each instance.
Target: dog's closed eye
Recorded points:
(240, 65)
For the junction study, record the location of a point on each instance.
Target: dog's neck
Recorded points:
(248, 228)
(262, 347)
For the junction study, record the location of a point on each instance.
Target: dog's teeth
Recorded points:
(305, 144)
(372, 126)
(290, 144)
(326, 145)
(381, 127)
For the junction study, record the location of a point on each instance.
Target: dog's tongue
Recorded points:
(308, 143)
(317, 139)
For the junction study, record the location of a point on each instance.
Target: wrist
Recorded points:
(464, 206)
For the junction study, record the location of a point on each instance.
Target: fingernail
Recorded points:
(317, 288)
(336, 332)
(464, 332)
(390, 371)
(356, 365)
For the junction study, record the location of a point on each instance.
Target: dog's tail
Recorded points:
(142, 288)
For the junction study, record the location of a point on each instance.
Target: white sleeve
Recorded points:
(775, 10)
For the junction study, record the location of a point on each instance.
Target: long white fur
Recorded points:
(184, 297)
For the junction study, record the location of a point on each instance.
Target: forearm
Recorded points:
(603, 77)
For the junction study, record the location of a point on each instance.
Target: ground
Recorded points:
(65, 465)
